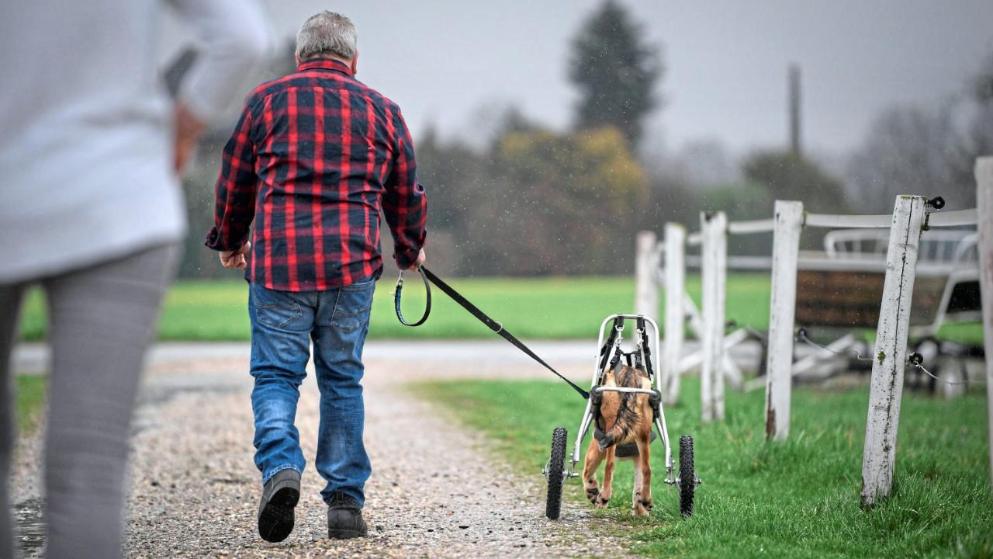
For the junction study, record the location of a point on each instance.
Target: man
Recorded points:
(313, 159)
(92, 212)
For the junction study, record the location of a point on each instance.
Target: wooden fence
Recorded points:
(911, 216)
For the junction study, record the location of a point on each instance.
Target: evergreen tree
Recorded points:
(615, 72)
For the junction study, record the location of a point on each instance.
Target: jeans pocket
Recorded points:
(277, 309)
(353, 307)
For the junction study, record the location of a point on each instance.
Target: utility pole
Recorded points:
(794, 110)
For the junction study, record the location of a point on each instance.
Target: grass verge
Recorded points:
(29, 401)
(795, 499)
(536, 308)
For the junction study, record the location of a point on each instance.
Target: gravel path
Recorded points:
(435, 490)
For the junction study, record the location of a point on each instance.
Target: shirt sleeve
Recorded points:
(235, 38)
(236, 189)
(405, 202)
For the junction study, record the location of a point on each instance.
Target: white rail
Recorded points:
(751, 227)
(837, 221)
(957, 218)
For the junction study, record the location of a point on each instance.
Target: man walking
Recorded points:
(314, 157)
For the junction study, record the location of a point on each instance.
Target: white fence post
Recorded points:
(714, 248)
(984, 197)
(675, 287)
(890, 354)
(646, 290)
(779, 363)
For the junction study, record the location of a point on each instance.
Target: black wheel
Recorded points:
(687, 477)
(555, 474)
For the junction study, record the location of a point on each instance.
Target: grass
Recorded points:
(548, 308)
(795, 499)
(536, 308)
(29, 401)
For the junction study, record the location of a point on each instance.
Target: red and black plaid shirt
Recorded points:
(313, 158)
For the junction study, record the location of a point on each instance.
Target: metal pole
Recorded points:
(675, 287)
(890, 355)
(795, 116)
(779, 363)
(984, 198)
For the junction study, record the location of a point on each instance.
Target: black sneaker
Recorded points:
(345, 517)
(279, 496)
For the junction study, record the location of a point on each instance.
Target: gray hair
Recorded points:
(326, 34)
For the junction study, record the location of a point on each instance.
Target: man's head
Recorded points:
(327, 35)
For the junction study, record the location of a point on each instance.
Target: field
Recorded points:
(544, 308)
(796, 499)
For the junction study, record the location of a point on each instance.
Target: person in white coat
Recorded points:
(91, 147)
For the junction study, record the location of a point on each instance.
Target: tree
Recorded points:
(790, 176)
(977, 139)
(557, 203)
(909, 150)
(615, 72)
(925, 151)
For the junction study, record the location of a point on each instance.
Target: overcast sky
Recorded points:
(442, 60)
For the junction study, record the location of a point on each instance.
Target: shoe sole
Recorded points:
(276, 519)
(346, 534)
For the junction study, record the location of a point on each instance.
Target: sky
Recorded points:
(453, 63)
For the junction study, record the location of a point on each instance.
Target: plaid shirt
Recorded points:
(313, 158)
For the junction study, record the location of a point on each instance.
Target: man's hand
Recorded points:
(420, 260)
(188, 130)
(235, 258)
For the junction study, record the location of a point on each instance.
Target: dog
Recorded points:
(623, 418)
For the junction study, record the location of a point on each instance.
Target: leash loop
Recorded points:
(427, 304)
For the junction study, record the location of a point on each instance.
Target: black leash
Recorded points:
(493, 325)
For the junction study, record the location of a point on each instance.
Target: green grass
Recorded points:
(30, 401)
(542, 308)
(795, 499)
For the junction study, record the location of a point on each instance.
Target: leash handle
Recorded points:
(427, 304)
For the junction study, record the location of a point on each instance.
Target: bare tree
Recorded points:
(908, 150)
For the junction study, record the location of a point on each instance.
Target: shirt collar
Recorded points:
(325, 64)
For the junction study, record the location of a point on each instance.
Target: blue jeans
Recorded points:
(283, 325)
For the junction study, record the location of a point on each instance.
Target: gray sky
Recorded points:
(442, 60)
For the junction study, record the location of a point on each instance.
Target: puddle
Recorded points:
(30, 527)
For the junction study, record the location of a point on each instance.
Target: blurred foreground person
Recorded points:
(92, 211)
(313, 160)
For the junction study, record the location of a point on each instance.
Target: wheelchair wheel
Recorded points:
(687, 476)
(555, 474)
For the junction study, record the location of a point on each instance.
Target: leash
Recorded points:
(493, 325)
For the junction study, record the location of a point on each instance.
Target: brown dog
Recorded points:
(623, 418)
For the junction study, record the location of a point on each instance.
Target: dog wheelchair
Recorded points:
(644, 356)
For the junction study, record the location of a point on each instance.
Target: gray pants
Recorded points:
(101, 319)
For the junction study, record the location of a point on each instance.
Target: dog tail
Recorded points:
(627, 411)
(626, 419)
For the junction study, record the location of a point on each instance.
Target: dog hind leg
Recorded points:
(642, 499)
(608, 478)
(636, 486)
(590, 464)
